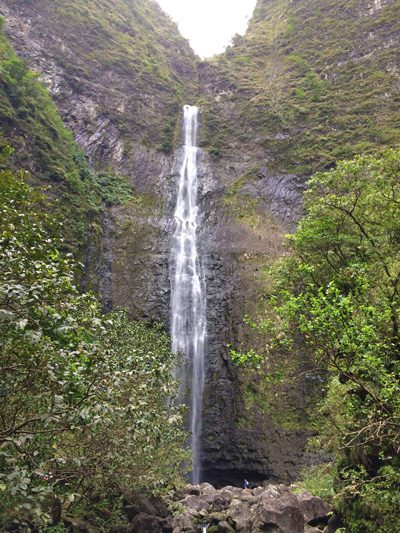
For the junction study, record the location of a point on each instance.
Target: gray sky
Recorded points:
(209, 24)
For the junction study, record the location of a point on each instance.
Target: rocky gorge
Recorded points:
(119, 74)
(128, 261)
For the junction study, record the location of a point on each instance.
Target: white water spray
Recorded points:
(188, 299)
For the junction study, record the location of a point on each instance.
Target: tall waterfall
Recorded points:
(188, 298)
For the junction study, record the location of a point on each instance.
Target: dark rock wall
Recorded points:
(261, 449)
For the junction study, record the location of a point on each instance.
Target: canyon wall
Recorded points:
(309, 83)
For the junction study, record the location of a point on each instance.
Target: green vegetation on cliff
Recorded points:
(30, 123)
(32, 126)
(339, 292)
(309, 83)
(125, 59)
(86, 398)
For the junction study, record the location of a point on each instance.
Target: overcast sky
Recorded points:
(209, 24)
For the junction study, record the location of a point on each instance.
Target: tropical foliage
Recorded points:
(85, 398)
(340, 292)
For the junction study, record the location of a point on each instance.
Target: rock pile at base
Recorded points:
(273, 508)
(205, 509)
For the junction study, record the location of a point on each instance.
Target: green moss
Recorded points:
(30, 123)
(270, 392)
(240, 205)
(321, 84)
(135, 45)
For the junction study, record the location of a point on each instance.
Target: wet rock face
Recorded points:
(281, 195)
(140, 254)
(273, 508)
(261, 450)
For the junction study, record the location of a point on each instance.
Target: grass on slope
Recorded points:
(127, 48)
(310, 83)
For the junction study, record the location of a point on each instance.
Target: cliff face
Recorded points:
(119, 73)
(310, 82)
(32, 126)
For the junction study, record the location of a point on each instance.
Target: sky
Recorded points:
(209, 24)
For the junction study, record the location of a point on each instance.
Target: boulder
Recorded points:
(217, 517)
(207, 488)
(249, 498)
(277, 511)
(239, 514)
(219, 504)
(221, 500)
(193, 490)
(227, 493)
(144, 523)
(139, 503)
(234, 490)
(209, 498)
(183, 522)
(225, 527)
(195, 502)
(315, 511)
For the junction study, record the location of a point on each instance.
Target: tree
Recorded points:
(340, 291)
(86, 399)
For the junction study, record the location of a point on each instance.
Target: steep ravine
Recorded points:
(123, 102)
(130, 268)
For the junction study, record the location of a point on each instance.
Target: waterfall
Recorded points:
(188, 297)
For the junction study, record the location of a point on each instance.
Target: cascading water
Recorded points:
(188, 298)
